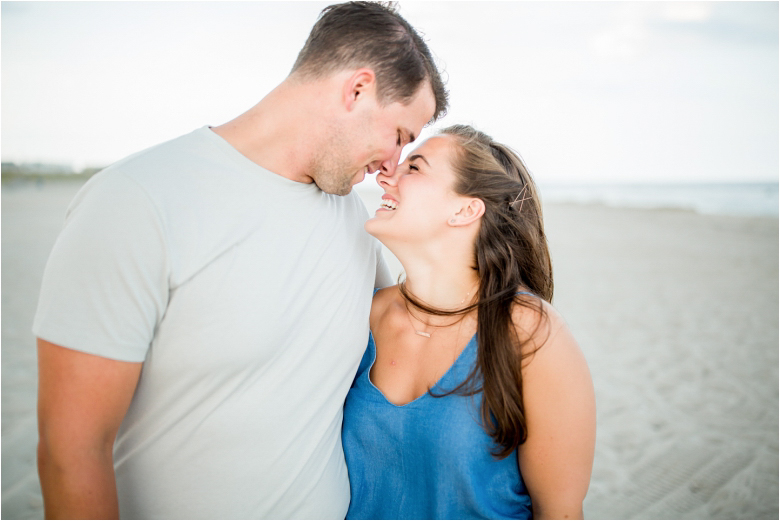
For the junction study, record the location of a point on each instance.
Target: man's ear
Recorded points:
(358, 86)
(471, 211)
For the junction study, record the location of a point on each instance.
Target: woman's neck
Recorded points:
(445, 282)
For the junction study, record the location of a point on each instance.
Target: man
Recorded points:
(206, 305)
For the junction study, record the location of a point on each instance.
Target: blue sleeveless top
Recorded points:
(428, 459)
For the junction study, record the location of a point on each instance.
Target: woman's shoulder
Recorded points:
(540, 327)
(382, 303)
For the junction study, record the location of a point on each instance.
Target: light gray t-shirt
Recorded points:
(247, 297)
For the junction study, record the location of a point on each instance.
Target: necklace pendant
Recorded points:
(423, 333)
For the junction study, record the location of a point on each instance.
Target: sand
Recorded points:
(677, 314)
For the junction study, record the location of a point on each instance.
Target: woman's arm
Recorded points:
(557, 458)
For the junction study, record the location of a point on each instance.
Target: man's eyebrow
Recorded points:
(409, 133)
(419, 156)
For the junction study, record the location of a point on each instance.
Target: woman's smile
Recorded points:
(388, 203)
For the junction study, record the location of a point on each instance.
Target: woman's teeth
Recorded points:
(387, 204)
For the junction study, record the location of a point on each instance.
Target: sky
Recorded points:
(586, 92)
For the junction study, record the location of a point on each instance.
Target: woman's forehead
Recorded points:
(435, 147)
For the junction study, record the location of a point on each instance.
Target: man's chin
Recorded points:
(335, 189)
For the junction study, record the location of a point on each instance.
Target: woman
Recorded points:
(472, 400)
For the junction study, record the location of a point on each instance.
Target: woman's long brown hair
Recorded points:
(510, 255)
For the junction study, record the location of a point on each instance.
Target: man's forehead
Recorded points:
(408, 133)
(414, 123)
(428, 100)
(418, 112)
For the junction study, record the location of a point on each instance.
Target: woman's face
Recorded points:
(419, 198)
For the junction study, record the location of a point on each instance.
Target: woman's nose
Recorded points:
(384, 180)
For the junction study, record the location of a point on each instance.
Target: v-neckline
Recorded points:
(426, 393)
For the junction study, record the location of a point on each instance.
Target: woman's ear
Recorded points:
(471, 211)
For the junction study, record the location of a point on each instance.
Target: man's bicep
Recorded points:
(82, 398)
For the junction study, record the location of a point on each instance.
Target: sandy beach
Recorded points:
(677, 314)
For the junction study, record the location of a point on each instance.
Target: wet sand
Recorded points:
(677, 314)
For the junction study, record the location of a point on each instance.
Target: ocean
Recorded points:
(742, 199)
(739, 199)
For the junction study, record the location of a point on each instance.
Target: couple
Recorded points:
(203, 317)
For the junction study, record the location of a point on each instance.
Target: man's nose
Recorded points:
(389, 172)
(389, 166)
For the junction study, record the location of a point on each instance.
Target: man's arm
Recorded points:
(383, 277)
(82, 400)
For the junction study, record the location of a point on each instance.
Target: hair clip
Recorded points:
(525, 197)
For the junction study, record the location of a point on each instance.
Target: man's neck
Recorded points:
(281, 132)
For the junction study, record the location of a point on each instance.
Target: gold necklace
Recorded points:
(425, 333)
(421, 333)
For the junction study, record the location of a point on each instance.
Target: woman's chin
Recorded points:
(374, 227)
(379, 229)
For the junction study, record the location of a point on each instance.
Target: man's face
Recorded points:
(372, 140)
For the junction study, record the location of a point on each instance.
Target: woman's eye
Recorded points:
(412, 167)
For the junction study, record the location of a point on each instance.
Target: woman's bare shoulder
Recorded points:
(556, 459)
(382, 302)
(540, 327)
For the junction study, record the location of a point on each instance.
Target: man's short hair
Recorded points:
(373, 35)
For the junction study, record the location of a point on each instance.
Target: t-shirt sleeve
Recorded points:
(105, 286)
(383, 277)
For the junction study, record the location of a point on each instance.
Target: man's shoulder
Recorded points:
(191, 173)
(169, 156)
(355, 205)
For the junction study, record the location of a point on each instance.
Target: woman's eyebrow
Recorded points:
(419, 156)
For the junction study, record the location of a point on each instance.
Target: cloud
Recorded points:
(640, 28)
(583, 89)
(687, 11)
(722, 23)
